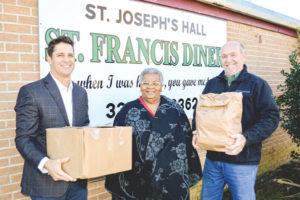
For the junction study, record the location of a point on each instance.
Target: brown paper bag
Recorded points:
(217, 117)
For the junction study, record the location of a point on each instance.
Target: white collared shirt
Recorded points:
(66, 94)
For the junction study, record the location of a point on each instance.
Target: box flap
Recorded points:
(108, 150)
(66, 142)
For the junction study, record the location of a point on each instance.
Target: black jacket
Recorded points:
(260, 114)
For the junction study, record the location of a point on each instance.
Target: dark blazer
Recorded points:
(40, 106)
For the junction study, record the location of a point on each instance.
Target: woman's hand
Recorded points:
(195, 140)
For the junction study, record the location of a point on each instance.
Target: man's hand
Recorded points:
(237, 146)
(55, 170)
(195, 140)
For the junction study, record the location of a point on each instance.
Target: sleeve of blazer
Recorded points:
(27, 120)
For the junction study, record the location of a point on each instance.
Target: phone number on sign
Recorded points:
(187, 104)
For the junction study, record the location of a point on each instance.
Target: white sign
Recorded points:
(116, 40)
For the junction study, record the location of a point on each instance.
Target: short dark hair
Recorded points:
(54, 42)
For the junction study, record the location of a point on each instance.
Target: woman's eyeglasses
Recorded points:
(147, 84)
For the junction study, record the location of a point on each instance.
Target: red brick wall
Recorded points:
(18, 66)
(267, 55)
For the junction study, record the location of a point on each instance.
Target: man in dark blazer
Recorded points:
(54, 101)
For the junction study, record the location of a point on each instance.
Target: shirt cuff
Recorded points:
(42, 164)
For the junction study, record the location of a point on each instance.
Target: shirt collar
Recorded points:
(240, 76)
(61, 86)
(233, 77)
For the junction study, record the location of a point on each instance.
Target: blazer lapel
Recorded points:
(54, 91)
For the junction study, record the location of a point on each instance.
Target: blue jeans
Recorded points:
(239, 178)
(76, 191)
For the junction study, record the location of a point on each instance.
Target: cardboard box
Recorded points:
(93, 152)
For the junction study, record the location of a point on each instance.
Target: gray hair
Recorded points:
(241, 46)
(151, 71)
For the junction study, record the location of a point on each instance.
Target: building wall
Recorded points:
(267, 54)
